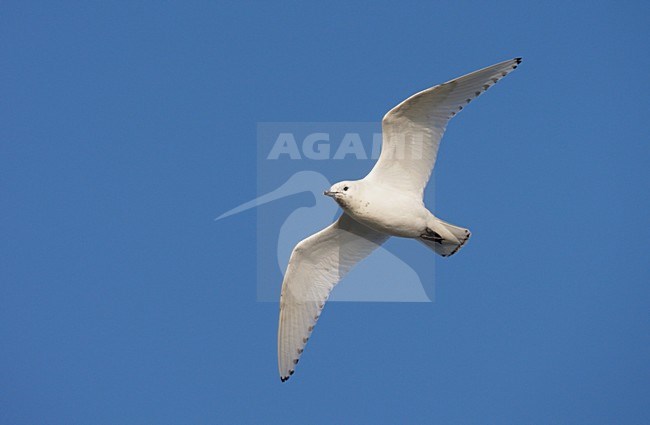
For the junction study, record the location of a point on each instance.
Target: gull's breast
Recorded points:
(394, 215)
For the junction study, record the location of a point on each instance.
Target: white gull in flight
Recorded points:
(387, 202)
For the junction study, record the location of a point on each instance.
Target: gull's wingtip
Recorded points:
(286, 378)
(519, 59)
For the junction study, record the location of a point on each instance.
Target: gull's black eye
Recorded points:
(345, 188)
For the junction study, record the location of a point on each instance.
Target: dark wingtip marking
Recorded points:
(304, 340)
(311, 328)
(518, 60)
(300, 350)
(514, 67)
(290, 373)
(468, 100)
(476, 93)
(295, 361)
(503, 74)
(284, 378)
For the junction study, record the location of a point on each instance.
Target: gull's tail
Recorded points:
(445, 239)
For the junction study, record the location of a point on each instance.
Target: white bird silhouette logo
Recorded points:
(373, 279)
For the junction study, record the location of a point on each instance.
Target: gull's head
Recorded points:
(342, 191)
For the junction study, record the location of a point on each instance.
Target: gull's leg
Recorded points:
(430, 235)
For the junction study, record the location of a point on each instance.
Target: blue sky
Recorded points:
(128, 126)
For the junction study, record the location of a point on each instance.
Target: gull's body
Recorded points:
(400, 214)
(387, 202)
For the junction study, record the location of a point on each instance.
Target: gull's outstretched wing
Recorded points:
(412, 130)
(317, 264)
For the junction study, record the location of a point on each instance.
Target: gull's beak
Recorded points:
(328, 193)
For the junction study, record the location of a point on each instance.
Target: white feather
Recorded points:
(412, 130)
(317, 264)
